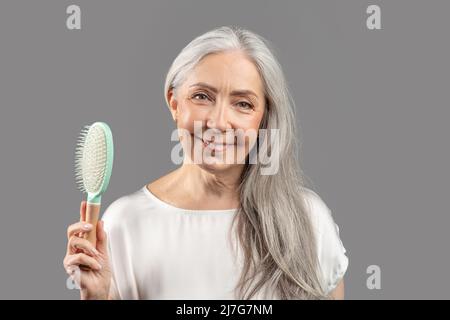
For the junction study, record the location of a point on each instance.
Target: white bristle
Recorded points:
(90, 159)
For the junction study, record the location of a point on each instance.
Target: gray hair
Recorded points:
(274, 227)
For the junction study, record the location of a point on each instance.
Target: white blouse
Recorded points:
(158, 251)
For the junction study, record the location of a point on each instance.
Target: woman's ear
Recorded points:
(173, 104)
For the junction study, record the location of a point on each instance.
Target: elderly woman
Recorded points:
(221, 227)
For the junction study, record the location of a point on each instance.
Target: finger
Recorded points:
(102, 244)
(70, 266)
(78, 227)
(71, 269)
(76, 243)
(81, 259)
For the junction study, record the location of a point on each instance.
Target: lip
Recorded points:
(215, 146)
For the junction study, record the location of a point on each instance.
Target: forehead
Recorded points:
(233, 70)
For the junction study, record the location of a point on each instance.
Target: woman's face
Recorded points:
(222, 100)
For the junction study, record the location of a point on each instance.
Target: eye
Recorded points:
(245, 105)
(202, 95)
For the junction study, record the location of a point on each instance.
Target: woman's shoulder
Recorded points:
(124, 208)
(321, 217)
(319, 212)
(131, 207)
(331, 251)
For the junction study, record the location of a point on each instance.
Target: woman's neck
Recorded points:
(223, 184)
(206, 186)
(191, 187)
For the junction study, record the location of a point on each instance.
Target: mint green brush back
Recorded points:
(93, 165)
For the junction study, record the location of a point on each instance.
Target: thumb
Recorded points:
(102, 241)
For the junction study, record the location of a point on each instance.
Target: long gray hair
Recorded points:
(274, 227)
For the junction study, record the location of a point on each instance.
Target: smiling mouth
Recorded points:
(215, 146)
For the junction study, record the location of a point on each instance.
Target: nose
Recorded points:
(218, 118)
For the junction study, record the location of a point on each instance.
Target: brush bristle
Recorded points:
(90, 159)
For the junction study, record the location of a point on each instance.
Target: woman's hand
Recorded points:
(88, 265)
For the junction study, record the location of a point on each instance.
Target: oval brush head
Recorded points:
(93, 160)
(93, 166)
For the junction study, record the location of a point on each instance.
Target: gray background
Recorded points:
(372, 107)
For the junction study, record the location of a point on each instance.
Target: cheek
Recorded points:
(187, 115)
(251, 127)
(251, 123)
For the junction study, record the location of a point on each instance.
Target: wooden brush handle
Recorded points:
(92, 215)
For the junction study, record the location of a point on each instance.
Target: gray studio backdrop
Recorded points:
(373, 110)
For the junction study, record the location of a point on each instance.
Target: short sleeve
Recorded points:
(331, 252)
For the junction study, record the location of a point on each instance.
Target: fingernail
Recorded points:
(87, 226)
(99, 266)
(95, 251)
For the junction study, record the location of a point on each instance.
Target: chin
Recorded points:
(216, 167)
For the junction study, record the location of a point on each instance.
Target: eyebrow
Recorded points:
(233, 93)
